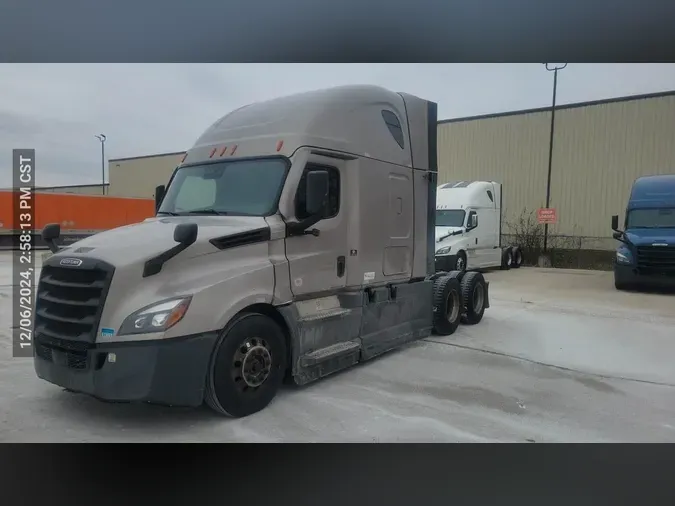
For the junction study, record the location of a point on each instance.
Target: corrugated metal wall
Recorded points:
(138, 177)
(599, 150)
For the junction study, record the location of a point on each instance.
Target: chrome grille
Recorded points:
(656, 260)
(70, 300)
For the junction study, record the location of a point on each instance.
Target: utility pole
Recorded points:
(101, 137)
(551, 67)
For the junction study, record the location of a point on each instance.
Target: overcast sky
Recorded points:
(153, 108)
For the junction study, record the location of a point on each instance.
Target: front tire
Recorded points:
(460, 262)
(621, 285)
(247, 367)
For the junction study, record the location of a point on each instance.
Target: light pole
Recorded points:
(101, 137)
(551, 67)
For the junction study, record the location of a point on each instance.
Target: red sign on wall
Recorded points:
(545, 216)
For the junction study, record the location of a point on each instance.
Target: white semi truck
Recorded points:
(270, 257)
(469, 228)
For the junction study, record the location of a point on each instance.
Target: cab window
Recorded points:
(333, 207)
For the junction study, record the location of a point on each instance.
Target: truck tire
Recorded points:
(474, 292)
(517, 257)
(460, 262)
(507, 259)
(247, 367)
(622, 286)
(447, 304)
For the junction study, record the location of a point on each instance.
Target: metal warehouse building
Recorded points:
(599, 149)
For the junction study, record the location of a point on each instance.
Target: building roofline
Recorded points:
(90, 185)
(575, 105)
(146, 156)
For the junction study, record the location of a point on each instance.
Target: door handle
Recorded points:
(340, 266)
(476, 240)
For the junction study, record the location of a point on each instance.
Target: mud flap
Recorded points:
(487, 294)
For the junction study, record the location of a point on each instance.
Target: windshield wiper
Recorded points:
(450, 234)
(204, 211)
(168, 212)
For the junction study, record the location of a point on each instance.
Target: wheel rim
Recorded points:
(452, 306)
(478, 298)
(460, 263)
(252, 364)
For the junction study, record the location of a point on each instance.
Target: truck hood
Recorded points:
(133, 243)
(649, 236)
(443, 231)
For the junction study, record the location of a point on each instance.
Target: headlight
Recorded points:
(623, 257)
(443, 251)
(157, 317)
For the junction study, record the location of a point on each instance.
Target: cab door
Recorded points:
(473, 260)
(318, 263)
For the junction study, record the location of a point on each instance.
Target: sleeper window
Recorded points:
(394, 126)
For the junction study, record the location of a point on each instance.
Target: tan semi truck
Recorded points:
(294, 240)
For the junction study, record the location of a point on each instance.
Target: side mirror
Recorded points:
(316, 192)
(50, 233)
(472, 222)
(617, 235)
(185, 233)
(159, 196)
(615, 222)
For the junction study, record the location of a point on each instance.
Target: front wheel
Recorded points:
(621, 285)
(247, 367)
(460, 263)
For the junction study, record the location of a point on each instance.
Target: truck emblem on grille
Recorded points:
(74, 262)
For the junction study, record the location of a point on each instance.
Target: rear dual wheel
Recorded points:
(458, 301)
(507, 259)
(447, 303)
(474, 296)
(516, 257)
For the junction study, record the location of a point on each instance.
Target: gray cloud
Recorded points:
(151, 108)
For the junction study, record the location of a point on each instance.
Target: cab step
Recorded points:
(324, 315)
(330, 352)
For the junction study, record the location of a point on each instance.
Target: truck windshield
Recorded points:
(450, 218)
(244, 188)
(651, 218)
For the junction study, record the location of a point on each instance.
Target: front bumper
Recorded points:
(629, 275)
(169, 372)
(446, 263)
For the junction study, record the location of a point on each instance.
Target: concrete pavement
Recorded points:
(560, 357)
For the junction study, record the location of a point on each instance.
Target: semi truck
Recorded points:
(469, 228)
(269, 259)
(646, 253)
